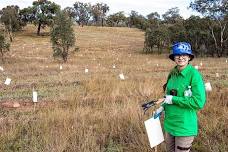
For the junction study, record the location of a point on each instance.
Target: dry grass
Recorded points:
(96, 111)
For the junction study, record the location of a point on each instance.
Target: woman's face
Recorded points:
(181, 60)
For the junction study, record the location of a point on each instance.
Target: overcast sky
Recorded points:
(143, 7)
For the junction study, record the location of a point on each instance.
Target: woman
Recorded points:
(185, 95)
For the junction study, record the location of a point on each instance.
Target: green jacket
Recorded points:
(181, 116)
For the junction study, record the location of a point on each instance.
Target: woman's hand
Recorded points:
(160, 100)
(167, 100)
(158, 112)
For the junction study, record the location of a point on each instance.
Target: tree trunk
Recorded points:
(215, 41)
(10, 36)
(65, 54)
(219, 47)
(117, 23)
(222, 39)
(82, 23)
(38, 30)
(2, 55)
(102, 22)
(8, 29)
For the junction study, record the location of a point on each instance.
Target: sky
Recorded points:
(143, 7)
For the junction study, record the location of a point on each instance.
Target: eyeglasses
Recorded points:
(183, 56)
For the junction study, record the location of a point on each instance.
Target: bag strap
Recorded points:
(165, 85)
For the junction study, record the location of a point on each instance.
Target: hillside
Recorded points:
(96, 110)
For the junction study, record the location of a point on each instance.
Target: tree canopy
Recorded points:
(62, 35)
(11, 20)
(116, 18)
(217, 11)
(99, 11)
(82, 12)
(41, 13)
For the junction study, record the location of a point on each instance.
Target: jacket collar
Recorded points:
(184, 72)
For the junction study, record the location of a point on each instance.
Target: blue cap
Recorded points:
(181, 48)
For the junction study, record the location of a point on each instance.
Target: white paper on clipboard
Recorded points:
(154, 131)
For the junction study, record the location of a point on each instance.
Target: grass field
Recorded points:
(96, 111)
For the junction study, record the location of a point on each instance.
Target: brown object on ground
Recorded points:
(8, 104)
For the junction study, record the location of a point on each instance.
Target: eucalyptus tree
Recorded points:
(172, 16)
(116, 19)
(70, 12)
(177, 32)
(62, 35)
(154, 19)
(26, 15)
(198, 35)
(41, 13)
(99, 12)
(156, 37)
(10, 19)
(133, 18)
(82, 12)
(137, 20)
(216, 11)
(153, 16)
